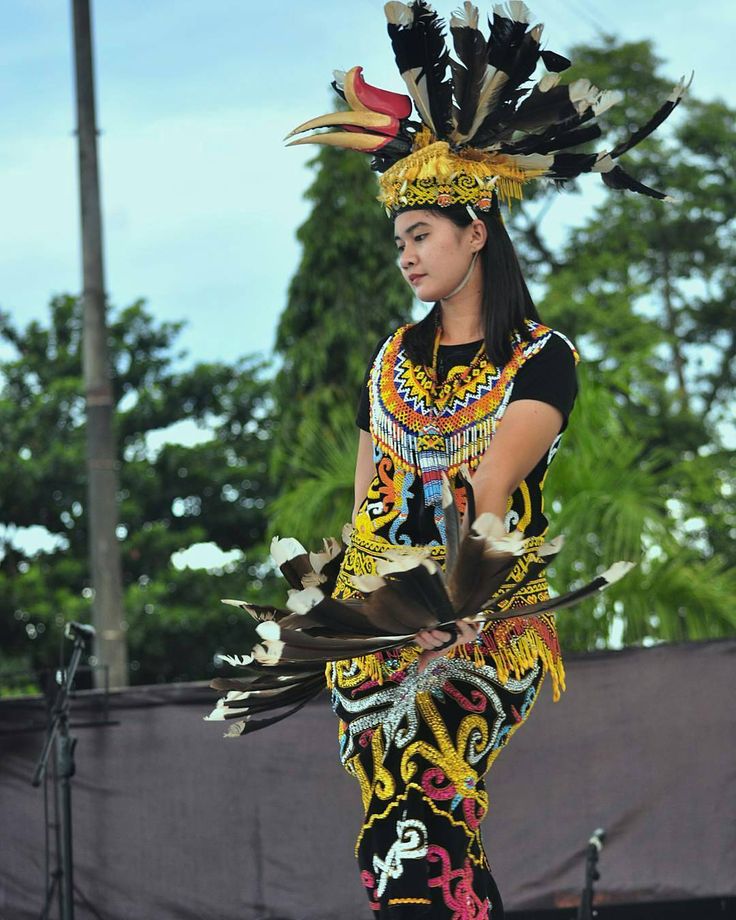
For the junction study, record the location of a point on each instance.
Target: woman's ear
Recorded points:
(478, 235)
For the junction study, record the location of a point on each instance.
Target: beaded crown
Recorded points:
(482, 128)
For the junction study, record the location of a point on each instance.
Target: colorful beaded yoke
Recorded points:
(402, 400)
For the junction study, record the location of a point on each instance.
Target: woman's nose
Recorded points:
(406, 259)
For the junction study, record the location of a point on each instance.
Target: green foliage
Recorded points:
(613, 503)
(318, 504)
(171, 497)
(646, 290)
(345, 295)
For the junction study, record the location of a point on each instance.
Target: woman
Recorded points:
(451, 707)
(479, 386)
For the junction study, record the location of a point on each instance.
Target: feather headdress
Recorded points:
(284, 651)
(482, 126)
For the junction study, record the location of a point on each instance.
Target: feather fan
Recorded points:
(283, 652)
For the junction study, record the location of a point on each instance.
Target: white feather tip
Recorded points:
(465, 18)
(303, 601)
(285, 548)
(398, 14)
(617, 571)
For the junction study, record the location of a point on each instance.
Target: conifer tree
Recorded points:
(345, 296)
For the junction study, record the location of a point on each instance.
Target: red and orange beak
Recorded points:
(377, 110)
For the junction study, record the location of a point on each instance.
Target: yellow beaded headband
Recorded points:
(482, 128)
(436, 176)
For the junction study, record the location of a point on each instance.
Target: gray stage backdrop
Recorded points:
(173, 821)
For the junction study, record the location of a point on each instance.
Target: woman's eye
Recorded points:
(419, 238)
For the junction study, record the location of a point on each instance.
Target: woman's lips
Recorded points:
(414, 279)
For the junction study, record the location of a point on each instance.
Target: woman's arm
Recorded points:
(522, 438)
(364, 470)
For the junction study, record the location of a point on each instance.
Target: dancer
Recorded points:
(461, 415)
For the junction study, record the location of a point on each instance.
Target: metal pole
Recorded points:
(102, 467)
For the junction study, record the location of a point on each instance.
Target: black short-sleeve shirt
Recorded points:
(548, 376)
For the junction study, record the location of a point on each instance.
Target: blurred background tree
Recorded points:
(173, 496)
(345, 296)
(645, 289)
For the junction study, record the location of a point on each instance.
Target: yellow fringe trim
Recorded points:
(514, 654)
(434, 174)
(409, 901)
(514, 659)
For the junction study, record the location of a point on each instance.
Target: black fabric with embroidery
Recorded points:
(548, 377)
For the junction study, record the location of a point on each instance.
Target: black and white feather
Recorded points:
(284, 651)
(491, 103)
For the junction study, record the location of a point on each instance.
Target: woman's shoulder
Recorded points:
(552, 341)
(393, 342)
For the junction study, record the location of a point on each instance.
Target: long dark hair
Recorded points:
(506, 301)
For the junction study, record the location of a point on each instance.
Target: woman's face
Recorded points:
(434, 253)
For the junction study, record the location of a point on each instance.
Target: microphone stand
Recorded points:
(595, 845)
(58, 730)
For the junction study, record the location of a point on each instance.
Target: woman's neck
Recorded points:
(460, 323)
(461, 315)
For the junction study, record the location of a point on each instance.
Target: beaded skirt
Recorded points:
(420, 745)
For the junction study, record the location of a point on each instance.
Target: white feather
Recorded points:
(583, 94)
(235, 729)
(237, 661)
(217, 714)
(552, 547)
(242, 604)
(303, 601)
(418, 92)
(319, 560)
(447, 495)
(367, 583)
(489, 526)
(269, 652)
(679, 90)
(617, 571)
(532, 161)
(548, 82)
(398, 14)
(284, 549)
(221, 710)
(269, 630)
(606, 100)
(515, 9)
(603, 164)
(465, 18)
(397, 561)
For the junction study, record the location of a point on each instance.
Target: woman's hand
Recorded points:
(430, 639)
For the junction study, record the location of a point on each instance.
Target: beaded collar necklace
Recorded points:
(441, 393)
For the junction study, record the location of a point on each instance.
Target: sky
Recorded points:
(201, 198)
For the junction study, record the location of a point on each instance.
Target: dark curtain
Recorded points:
(173, 821)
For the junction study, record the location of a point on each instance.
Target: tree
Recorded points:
(171, 498)
(647, 290)
(345, 295)
(641, 286)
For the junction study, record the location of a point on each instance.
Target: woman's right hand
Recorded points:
(430, 640)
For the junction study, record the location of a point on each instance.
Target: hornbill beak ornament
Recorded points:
(375, 120)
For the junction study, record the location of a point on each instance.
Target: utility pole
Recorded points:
(111, 646)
